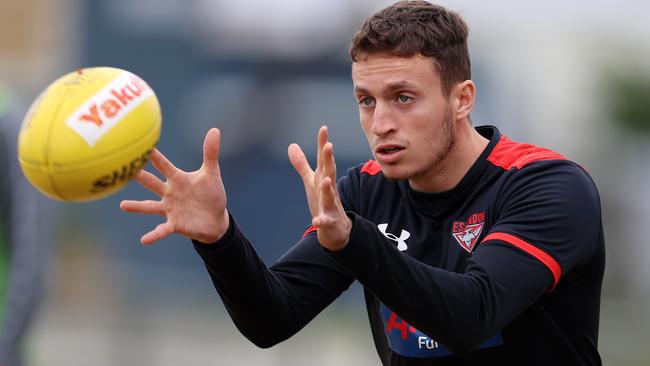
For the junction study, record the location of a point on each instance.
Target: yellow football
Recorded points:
(88, 133)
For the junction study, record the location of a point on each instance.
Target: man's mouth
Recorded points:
(388, 153)
(389, 150)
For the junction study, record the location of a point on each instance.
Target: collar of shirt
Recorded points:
(437, 206)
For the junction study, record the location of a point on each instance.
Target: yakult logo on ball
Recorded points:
(104, 110)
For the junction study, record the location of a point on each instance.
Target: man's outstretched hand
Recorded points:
(193, 203)
(328, 215)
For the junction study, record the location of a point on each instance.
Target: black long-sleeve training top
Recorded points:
(505, 267)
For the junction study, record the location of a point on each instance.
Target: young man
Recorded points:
(471, 248)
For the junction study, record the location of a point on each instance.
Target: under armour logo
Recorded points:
(401, 241)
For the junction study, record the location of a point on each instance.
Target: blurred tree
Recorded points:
(629, 102)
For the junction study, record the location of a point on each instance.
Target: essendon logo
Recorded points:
(107, 107)
(467, 232)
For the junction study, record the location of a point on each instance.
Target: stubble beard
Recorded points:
(446, 144)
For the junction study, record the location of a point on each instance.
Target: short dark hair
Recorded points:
(409, 28)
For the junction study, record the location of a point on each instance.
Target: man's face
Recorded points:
(406, 117)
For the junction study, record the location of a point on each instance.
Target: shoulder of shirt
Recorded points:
(368, 172)
(365, 180)
(513, 155)
(532, 164)
(371, 167)
(509, 154)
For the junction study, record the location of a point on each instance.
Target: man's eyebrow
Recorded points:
(390, 87)
(360, 90)
(399, 85)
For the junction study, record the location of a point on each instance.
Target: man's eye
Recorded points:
(367, 101)
(405, 98)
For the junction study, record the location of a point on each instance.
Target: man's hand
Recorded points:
(328, 215)
(194, 203)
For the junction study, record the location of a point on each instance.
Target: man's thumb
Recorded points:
(299, 161)
(211, 146)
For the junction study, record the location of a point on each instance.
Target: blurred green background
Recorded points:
(572, 76)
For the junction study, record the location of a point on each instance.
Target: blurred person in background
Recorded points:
(22, 260)
(472, 248)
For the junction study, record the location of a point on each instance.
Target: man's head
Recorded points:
(411, 74)
(408, 28)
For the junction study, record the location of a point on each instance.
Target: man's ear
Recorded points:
(463, 98)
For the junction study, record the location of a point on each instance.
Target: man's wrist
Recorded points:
(348, 232)
(227, 239)
(223, 228)
(346, 240)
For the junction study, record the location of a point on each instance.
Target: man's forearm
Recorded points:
(459, 310)
(269, 305)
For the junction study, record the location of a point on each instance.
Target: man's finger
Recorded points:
(151, 182)
(164, 166)
(322, 140)
(211, 147)
(161, 231)
(328, 195)
(299, 162)
(329, 164)
(143, 207)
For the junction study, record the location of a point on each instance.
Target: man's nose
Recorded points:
(383, 120)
